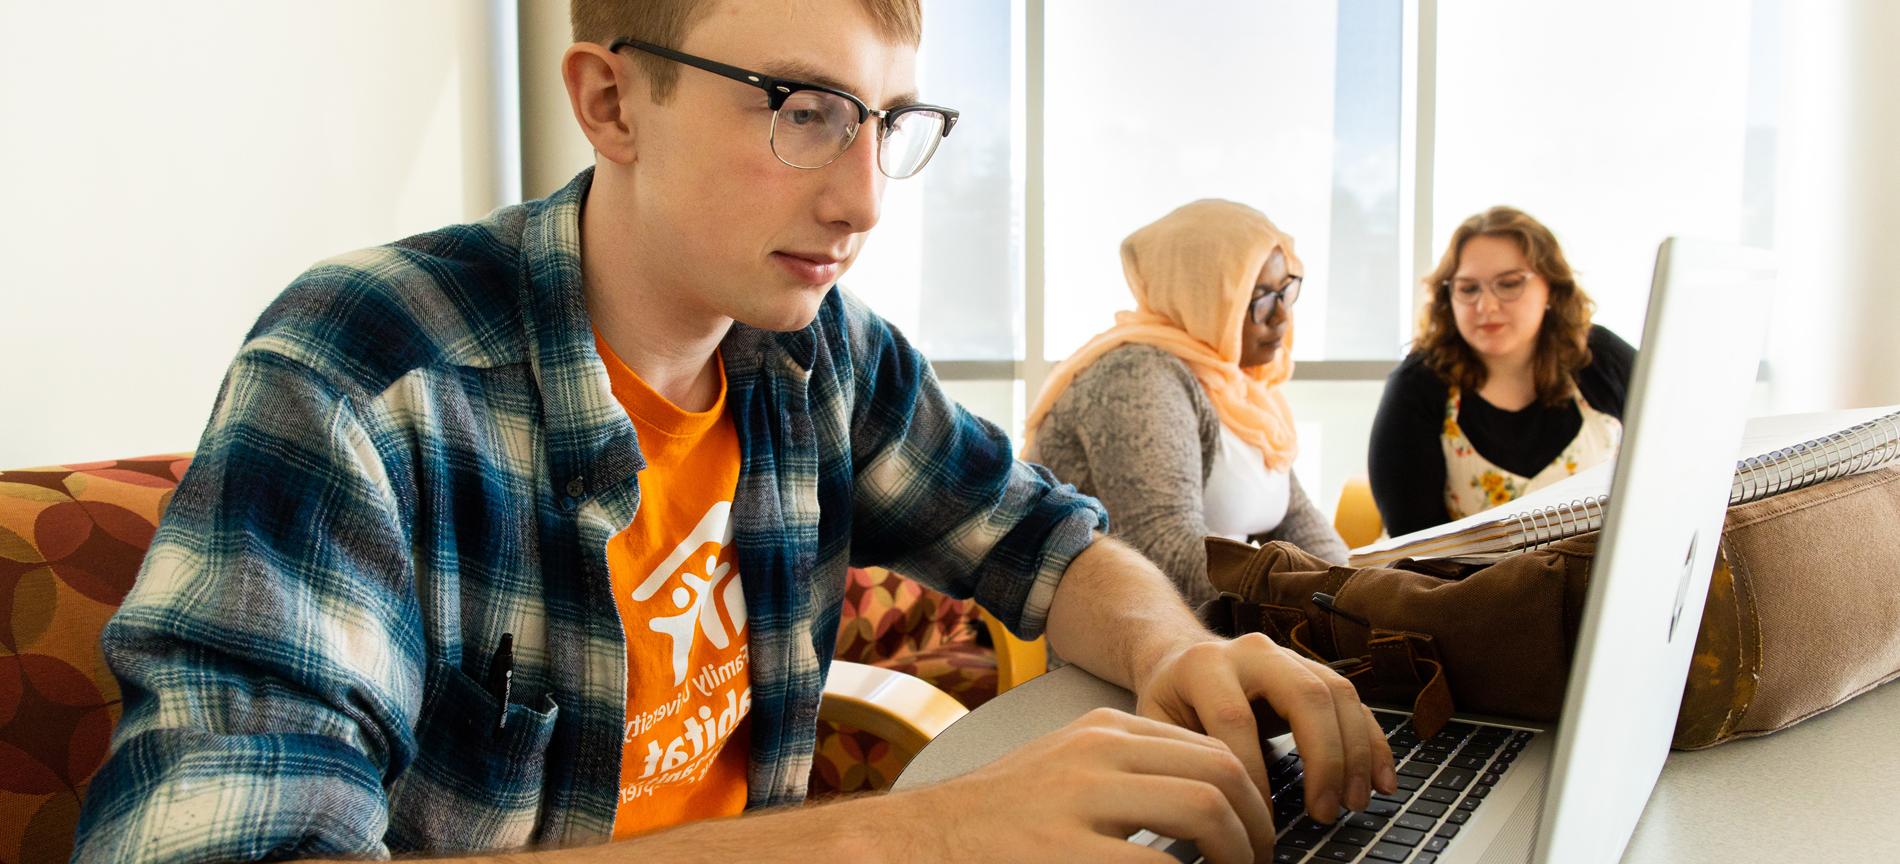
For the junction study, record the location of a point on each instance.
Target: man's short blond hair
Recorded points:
(666, 22)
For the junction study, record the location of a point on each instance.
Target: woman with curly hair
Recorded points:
(1509, 387)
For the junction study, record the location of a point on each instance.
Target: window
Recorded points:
(1289, 106)
(1616, 124)
(945, 262)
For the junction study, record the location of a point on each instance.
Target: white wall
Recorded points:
(553, 149)
(168, 168)
(1835, 340)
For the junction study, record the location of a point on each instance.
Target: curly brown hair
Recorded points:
(666, 22)
(1562, 337)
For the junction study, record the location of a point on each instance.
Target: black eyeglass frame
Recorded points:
(1287, 294)
(777, 90)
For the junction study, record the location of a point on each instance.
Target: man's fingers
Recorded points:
(1306, 701)
(1180, 808)
(1353, 738)
(1220, 705)
(1341, 744)
(1212, 766)
(1385, 777)
(1151, 748)
(1116, 851)
(1138, 724)
(1157, 709)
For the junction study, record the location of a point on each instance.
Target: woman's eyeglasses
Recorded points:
(1506, 287)
(1260, 311)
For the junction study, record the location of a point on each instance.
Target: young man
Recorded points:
(531, 532)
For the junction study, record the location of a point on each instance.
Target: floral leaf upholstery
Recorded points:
(71, 541)
(886, 616)
(894, 623)
(850, 759)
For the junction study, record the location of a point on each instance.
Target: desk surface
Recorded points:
(1823, 790)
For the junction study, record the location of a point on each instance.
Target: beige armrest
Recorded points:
(902, 709)
(1016, 660)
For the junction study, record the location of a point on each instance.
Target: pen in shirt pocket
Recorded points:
(501, 676)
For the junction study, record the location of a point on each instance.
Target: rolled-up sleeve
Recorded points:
(939, 495)
(269, 654)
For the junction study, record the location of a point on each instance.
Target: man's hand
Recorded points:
(1077, 793)
(1208, 686)
(1117, 616)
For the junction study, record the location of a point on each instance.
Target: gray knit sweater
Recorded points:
(1136, 431)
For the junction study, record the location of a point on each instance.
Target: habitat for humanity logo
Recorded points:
(694, 598)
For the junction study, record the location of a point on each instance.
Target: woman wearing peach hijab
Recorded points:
(1173, 417)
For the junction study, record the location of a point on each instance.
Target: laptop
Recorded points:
(1487, 789)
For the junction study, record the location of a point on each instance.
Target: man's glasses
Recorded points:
(813, 124)
(1261, 309)
(1506, 287)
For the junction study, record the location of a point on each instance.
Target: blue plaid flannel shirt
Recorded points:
(416, 451)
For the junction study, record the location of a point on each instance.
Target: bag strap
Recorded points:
(1405, 665)
(1230, 615)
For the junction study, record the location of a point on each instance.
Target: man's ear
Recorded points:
(596, 80)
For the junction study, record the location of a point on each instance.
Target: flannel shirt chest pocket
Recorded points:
(476, 783)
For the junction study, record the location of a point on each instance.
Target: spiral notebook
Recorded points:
(1778, 454)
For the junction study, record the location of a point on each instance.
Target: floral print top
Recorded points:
(1474, 483)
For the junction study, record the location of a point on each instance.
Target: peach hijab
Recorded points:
(1192, 273)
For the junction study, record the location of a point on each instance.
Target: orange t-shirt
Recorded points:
(688, 687)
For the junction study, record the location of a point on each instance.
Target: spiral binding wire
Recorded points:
(1850, 451)
(1854, 450)
(1546, 525)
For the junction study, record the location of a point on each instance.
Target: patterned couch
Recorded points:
(72, 538)
(893, 623)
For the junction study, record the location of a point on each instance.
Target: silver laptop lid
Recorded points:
(1682, 428)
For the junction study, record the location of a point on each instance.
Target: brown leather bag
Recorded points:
(1803, 613)
(1482, 639)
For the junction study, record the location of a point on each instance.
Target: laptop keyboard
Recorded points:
(1442, 781)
